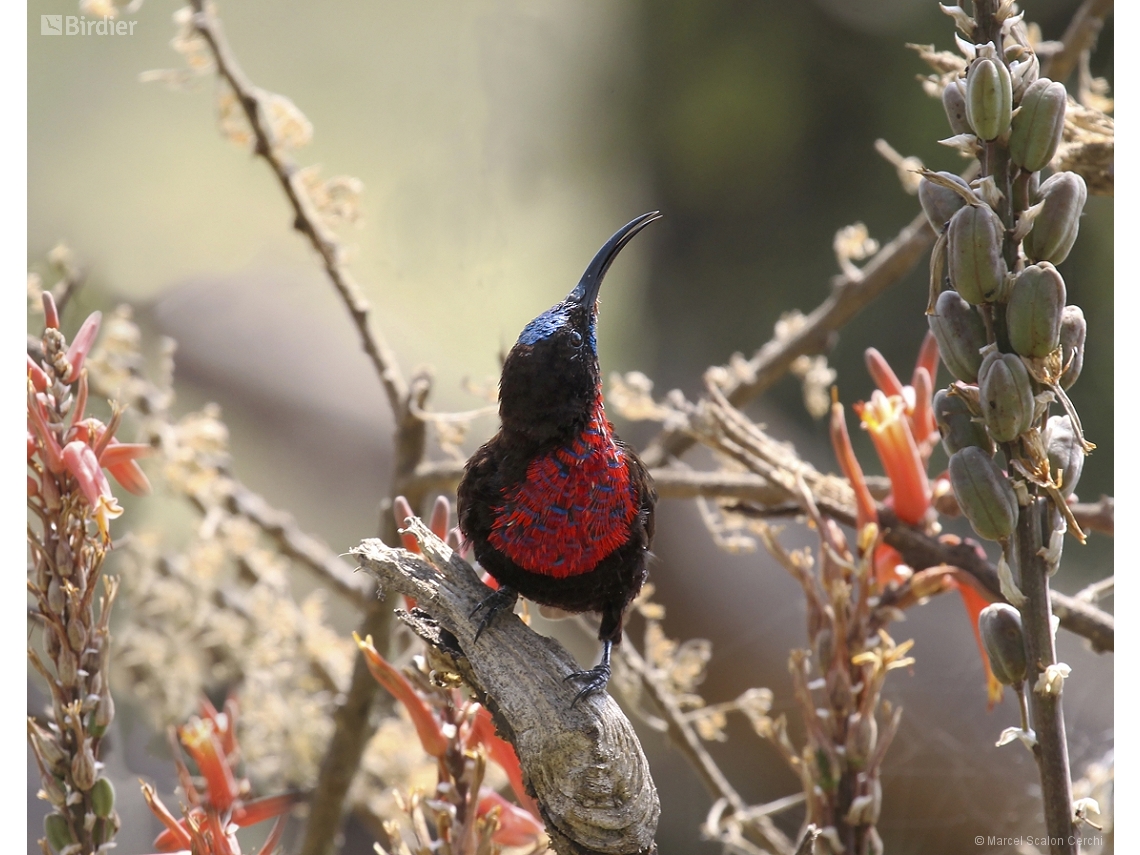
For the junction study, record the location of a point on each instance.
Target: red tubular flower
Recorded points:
(179, 836)
(974, 601)
(503, 753)
(865, 510)
(889, 566)
(882, 373)
(51, 314)
(884, 418)
(200, 739)
(81, 345)
(424, 720)
(922, 420)
(267, 807)
(38, 418)
(927, 358)
(37, 376)
(119, 459)
(517, 827)
(80, 460)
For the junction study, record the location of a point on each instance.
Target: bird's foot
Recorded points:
(499, 599)
(594, 679)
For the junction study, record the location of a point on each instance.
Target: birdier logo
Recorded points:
(79, 25)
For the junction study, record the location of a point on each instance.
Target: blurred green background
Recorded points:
(499, 143)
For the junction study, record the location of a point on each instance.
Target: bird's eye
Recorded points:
(575, 338)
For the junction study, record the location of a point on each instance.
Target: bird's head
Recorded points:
(551, 378)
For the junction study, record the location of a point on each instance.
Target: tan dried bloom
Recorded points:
(631, 395)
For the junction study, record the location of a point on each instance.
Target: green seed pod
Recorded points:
(57, 832)
(1033, 314)
(954, 103)
(1006, 396)
(989, 98)
(1055, 229)
(940, 203)
(973, 254)
(984, 493)
(958, 426)
(1073, 330)
(1065, 452)
(999, 624)
(1038, 124)
(103, 797)
(960, 333)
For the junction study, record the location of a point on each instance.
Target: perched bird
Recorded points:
(556, 507)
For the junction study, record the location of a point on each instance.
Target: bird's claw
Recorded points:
(595, 680)
(495, 602)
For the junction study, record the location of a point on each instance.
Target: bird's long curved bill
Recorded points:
(586, 291)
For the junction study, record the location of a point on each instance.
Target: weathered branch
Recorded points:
(849, 296)
(583, 763)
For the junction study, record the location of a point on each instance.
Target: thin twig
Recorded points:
(352, 726)
(292, 541)
(688, 742)
(1080, 36)
(306, 220)
(1097, 590)
(1096, 516)
(848, 297)
(672, 483)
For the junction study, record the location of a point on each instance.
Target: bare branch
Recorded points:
(848, 297)
(1080, 36)
(306, 220)
(292, 541)
(1097, 590)
(584, 762)
(1095, 516)
(688, 742)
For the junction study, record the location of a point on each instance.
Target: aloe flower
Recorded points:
(900, 421)
(884, 418)
(443, 740)
(213, 816)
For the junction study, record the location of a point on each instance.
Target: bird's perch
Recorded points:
(583, 763)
